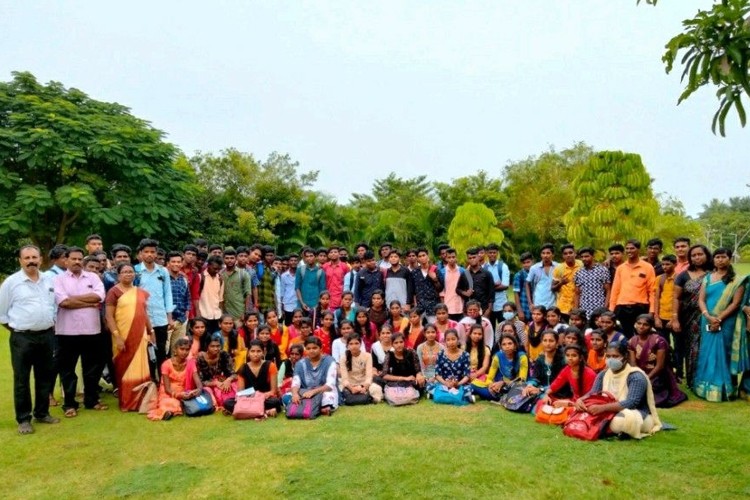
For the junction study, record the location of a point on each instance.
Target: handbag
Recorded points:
(249, 407)
(356, 399)
(396, 395)
(444, 396)
(548, 414)
(306, 409)
(514, 400)
(583, 425)
(200, 405)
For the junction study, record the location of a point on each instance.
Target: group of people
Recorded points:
(337, 328)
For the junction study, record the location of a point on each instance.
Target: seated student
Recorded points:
(294, 329)
(198, 337)
(305, 330)
(338, 348)
(508, 364)
(401, 366)
(315, 374)
(247, 332)
(326, 332)
(279, 333)
(452, 369)
(270, 350)
(510, 317)
(261, 375)
(596, 358)
(649, 351)
(324, 299)
(377, 313)
(536, 326)
(379, 351)
(547, 366)
(608, 324)
(554, 321)
(414, 331)
(286, 372)
(229, 342)
(216, 371)
(396, 318)
(635, 410)
(355, 367)
(576, 376)
(479, 353)
(443, 322)
(427, 352)
(347, 310)
(474, 317)
(573, 336)
(172, 388)
(578, 320)
(366, 329)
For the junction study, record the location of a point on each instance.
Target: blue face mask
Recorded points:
(509, 315)
(615, 364)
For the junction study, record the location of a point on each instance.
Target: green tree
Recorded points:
(474, 224)
(673, 221)
(715, 50)
(539, 192)
(613, 201)
(722, 220)
(70, 165)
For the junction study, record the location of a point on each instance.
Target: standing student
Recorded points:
(426, 284)
(482, 283)
(520, 295)
(385, 252)
(398, 281)
(455, 284)
(180, 298)
(632, 289)
(616, 254)
(369, 280)
(210, 303)
(539, 280)
(288, 292)
(192, 274)
(237, 287)
(267, 280)
(681, 247)
(154, 279)
(664, 297)
(501, 281)
(654, 247)
(79, 295)
(563, 280)
(335, 272)
(27, 307)
(350, 279)
(309, 282)
(592, 283)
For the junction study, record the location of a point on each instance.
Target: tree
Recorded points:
(539, 191)
(716, 46)
(473, 225)
(613, 201)
(722, 220)
(673, 221)
(70, 165)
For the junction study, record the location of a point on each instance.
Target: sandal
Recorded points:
(52, 400)
(70, 413)
(99, 407)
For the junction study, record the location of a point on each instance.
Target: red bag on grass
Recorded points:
(584, 425)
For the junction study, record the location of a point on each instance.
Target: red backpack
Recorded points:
(584, 425)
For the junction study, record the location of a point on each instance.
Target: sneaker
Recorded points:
(473, 399)
(49, 419)
(25, 428)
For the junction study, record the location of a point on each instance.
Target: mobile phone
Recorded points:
(708, 328)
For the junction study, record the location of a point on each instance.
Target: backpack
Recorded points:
(466, 273)
(583, 425)
(319, 273)
(499, 265)
(203, 281)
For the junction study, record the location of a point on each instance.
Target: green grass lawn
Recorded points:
(421, 451)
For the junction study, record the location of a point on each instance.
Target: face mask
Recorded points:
(615, 364)
(508, 316)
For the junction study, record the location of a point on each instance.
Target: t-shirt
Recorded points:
(540, 281)
(666, 295)
(590, 283)
(566, 293)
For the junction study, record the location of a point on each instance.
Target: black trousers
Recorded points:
(162, 336)
(626, 315)
(32, 350)
(89, 349)
(288, 317)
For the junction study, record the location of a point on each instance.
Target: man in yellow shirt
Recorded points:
(564, 280)
(664, 311)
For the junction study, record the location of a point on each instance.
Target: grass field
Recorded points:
(424, 451)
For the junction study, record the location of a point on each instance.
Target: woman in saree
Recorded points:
(174, 372)
(127, 319)
(719, 301)
(649, 351)
(686, 316)
(216, 371)
(635, 409)
(313, 375)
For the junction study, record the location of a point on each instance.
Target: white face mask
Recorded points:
(615, 364)
(509, 315)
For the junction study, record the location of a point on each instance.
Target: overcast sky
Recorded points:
(359, 89)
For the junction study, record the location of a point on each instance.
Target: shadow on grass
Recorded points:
(155, 479)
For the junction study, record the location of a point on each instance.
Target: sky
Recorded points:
(357, 90)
